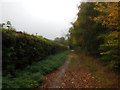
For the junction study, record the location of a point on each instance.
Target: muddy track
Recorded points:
(72, 74)
(60, 74)
(53, 80)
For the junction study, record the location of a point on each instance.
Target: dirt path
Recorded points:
(56, 83)
(74, 74)
(53, 80)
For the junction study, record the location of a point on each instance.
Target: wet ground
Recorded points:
(73, 74)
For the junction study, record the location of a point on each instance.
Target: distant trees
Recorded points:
(61, 40)
(2, 24)
(7, 25)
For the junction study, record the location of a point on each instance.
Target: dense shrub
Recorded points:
(21, 49)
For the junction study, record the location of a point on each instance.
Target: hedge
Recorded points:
(20, 49)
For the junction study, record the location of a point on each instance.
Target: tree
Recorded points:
(96, 31)
(84, 32)
(110, 18)
(56, 39)
(2, 24)
(8, 23)
(61, 40)
(110, 14)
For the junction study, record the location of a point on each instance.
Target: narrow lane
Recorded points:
(74, 73)
(56, 83)
(53, 79)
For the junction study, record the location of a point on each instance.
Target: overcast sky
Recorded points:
(48, 18)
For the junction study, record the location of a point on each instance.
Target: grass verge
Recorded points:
(72, 62)
(107, 78)
(32, 76)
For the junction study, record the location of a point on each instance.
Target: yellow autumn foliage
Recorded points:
(111, 17)
(74, 40)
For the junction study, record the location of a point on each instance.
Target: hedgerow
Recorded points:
(20, 49)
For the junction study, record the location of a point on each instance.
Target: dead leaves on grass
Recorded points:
(76, 77)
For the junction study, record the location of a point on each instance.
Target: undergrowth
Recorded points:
(32, 76)
(106, 77)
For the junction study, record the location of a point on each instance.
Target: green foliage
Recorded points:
(72, 62)
(61, 40)
(21, 49)
(84, 32)
(24, 81)
(32, 76)
(109, 50)
(92, 68)
(96, 33)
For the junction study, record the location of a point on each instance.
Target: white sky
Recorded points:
(48, 18)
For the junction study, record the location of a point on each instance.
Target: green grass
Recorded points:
(92, 68)
(72, 62)
(32, 76)
(106, 77)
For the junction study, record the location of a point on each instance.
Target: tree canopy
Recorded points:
(96, 31)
